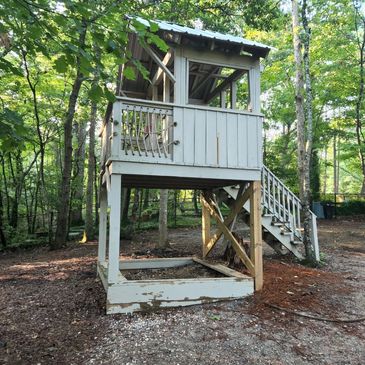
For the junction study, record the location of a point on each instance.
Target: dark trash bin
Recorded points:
(328, 210)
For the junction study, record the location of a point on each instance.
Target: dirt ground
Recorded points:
(52, 309)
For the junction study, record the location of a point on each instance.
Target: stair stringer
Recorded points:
(275, 231)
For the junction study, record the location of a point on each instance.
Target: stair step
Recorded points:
(296, 242)
(286, 233)
(268, 215)
(277, 224)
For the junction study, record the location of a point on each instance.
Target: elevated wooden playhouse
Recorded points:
(193, 128)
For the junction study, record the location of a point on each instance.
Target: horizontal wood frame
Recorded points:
(128, 296)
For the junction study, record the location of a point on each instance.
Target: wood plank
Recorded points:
(114, 228)
(189, 135)
(146, 295)
(205, 227)
(223, 85)
(256, 233)
(211, 153)
(160, 63)
(200, 137)
(232, 140)
(228, 234)
(228, 220)
(157, 78)
(221, 268)
(222, 139)
(158, 263)
(242, 135)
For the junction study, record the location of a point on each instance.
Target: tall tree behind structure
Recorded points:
(304, 130)
(89, 221)
(360, 38)
(162, 241)
(78, 173)
(64, 194)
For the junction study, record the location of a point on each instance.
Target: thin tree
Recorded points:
(64, 192)
(304, 130)
(89, 221)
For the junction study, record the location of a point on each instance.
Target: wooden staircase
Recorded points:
(281, 215)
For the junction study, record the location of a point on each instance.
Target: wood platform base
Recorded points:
(127, 296)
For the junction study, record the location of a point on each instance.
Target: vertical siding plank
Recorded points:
(178, 149)
(188, 136)
(222, 138)
(200, 140)
(211, 138)
(242, 141)
(232, 147)
(252, 143)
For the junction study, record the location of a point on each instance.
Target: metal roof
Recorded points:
(175, 28)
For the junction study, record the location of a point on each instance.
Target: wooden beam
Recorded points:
(241, 199)
(233, 95)
(205, 226)
(203, 82)
(157, 78)
(256, 233)
(160, 63)
(237, 247)
(233, 77)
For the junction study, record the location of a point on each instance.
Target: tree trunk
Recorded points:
(359, 102)
(162, 241)
(78, 174)
(64, 192)
(303, 153)
(126, 198)
(89, 221)
(2, 234)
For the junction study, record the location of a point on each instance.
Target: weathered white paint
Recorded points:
(171, 170)
(144, 295)
(114, 228)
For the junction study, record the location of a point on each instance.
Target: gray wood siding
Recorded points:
(216, 138)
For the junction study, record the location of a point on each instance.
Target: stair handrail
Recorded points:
(294, 219)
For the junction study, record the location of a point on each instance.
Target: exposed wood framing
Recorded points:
(228, 234)
(157, 78)
(241, 199)
(160, 63)
(234, 77)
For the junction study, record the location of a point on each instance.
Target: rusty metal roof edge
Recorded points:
(203, 33)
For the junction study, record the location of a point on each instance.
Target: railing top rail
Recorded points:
(151, 103)
(161, 104)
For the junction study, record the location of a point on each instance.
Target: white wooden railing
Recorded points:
(145, 128)
(286, 208)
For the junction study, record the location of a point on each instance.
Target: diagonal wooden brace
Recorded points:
(228, 234)
(227, 221)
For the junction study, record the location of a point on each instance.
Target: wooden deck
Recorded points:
(179, 146)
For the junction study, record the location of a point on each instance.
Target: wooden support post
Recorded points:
(233, 95)
(114, 228)
(256, 233)
(102, 224)
(205, 227)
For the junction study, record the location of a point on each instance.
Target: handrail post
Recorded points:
(314, 237)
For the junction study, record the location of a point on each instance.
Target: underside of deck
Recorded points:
(170, 176)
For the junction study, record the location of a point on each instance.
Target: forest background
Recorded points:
(59, 64)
